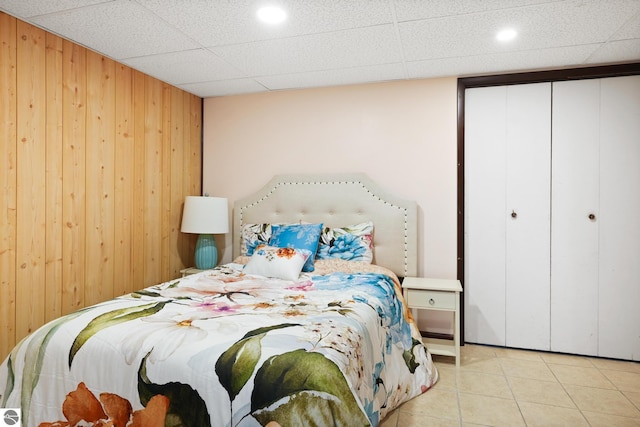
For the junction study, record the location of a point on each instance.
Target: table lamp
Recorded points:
(205, 216)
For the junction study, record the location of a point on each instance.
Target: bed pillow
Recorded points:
(280, 263)
(253, 235)
(352, 243)
(298, 236)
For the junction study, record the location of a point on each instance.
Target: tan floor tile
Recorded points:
(479, 351)
(634, 397)
(515, 353)
(602, 401)
(487, 366)
(490, 411)
(567, 359)
(606, 420)
(391, 420)
(407, 419)
(525, 368)
(588, 377)
(436, 403)
(616, 365)
(485, 384)
(479, 358)
(626, 381)
(447, 377)
(536, 415)
(545, 392)
(498, 387)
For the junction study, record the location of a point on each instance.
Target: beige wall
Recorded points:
(401, 134)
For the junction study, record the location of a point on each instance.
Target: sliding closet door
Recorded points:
(575, 216)
(507, 207)
(619, 311)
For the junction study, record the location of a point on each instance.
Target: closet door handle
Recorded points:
(514, 214)
(592, 217)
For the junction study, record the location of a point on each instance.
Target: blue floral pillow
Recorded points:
(298, 236)
(253, 235)
(352, 243)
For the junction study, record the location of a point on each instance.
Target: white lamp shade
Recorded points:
(205, 215)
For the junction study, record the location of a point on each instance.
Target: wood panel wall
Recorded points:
(95, 162)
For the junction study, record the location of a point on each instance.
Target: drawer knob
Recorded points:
(431, 301)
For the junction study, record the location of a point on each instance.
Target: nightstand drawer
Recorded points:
(438, 300)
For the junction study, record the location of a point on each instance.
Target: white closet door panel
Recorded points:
(619, 311)
(527, 215)
(485, 171)
(574, 241)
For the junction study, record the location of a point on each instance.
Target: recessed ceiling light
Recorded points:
(271, 15)
(506, 35)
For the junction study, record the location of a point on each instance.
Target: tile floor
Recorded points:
(507, 387)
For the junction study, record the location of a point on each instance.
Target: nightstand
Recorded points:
(187, 271)
(437, 295)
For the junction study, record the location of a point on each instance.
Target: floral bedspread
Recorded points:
(220, 348)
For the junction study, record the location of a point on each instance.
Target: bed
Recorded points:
(287, 334)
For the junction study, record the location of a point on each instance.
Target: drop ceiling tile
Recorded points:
(630, 29)
(501, 62)
(29, 8)
(410, 10)
(450, 37)
(223, 88)
(199, 65)
(616, 51)
(119, 29)
(539, 27)
(337, 77)
(232, 22)
(316, 52)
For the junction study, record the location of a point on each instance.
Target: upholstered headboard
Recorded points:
(337, 200)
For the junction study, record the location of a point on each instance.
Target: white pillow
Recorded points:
(280, 263)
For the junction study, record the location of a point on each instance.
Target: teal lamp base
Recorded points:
(206, 252)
